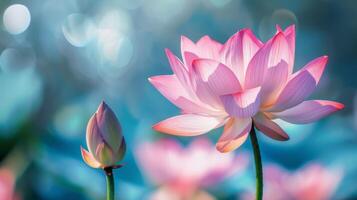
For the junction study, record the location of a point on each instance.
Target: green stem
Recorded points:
(110, 183)
(258, 164)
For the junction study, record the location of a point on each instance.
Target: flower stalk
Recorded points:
(110, 182)
(258, 164)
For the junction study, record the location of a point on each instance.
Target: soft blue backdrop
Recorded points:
(77, 52)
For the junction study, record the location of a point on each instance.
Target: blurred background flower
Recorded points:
(7, 183)
(58, 60)
(311, 182)
(181, 173)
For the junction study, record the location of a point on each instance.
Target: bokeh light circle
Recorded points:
(78, 29)
(12, 59)
(284, 17)
(116, 61)
(281, 17)
(16, 18)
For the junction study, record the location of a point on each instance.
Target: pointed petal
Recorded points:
(187, 45)
(269, 55)
(309, 111)
(89, 159)
(316, 67)
(208, 48)
(301, 85)
(219, 78)
(178, 68)
(188, 125)
(234, 134)
(239, 50)
(278, 28)
(279, 50)
(109, 126)
(274, 81)
(289, 33)
(121, 152)
(296, 90)
(170, 87)
(269, 128)
(290, 37)
(205, 47)
(243, 104)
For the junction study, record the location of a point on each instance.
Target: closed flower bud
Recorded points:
(105, 141)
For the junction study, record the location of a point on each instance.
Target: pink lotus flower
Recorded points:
(238, 83)
(183, 172)
(105, 141)
(312, 182)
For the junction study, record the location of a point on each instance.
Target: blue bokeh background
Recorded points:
(76, 53)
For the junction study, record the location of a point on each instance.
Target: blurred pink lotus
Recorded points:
(238, 83)
(183, 172)
(312, 182)
(7, 185)
(166, 193)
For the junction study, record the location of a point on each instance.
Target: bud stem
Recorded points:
(258, 164)
(110, 183)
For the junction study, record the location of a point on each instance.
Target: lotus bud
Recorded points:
(104, 137)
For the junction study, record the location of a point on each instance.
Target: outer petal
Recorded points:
(274, 81)
(121, 152)
(234, 134)
(219, 78)
(243, 104)
(188, 125)
(89, 159)
(239, 50)
(309, 111)
(105, 155)
(170, 87)
(301, 85)
(315, 67)
(179, 69)
(93, 134)
(269, 55)
(269, 128)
